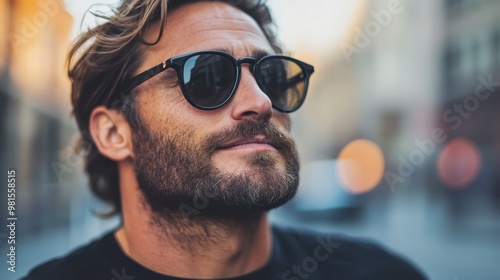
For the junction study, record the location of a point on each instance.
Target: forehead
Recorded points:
(206, 26)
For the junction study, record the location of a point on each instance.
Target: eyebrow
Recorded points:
(257, 53)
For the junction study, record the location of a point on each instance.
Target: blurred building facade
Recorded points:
(470, 88)
(392, 80)
(34, 107)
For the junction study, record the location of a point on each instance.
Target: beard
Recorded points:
(176, 174)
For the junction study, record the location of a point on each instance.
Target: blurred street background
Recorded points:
(399, 136)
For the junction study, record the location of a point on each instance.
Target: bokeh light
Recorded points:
(361, 166)
(459, 163)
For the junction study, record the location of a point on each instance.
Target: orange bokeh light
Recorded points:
(360, 166)
(459, 163)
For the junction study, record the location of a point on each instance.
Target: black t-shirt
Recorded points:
(296, 255)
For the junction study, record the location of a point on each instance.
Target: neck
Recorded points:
(192, 247)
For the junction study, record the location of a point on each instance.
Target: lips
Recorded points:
(255, 142)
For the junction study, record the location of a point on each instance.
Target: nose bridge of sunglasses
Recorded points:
(250, 61)
(246, 60)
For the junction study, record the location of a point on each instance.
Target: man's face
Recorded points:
(237, 159)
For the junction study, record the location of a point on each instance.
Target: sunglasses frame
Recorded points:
(178, 62)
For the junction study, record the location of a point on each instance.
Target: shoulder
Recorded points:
(81, 263)
(357, 258)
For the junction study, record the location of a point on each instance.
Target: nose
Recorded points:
(249, 101)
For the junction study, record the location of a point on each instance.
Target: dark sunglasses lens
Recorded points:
(209, 79)
(284, 82)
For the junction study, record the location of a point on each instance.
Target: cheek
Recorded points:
(160, 110)
(180, 121)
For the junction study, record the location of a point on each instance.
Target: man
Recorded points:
(187, 107)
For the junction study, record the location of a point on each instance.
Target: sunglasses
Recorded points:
(208, 79)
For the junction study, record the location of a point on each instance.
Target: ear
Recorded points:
(111, 133)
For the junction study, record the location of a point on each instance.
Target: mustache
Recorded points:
(249, 129)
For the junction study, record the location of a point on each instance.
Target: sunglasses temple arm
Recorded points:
(144, 76)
